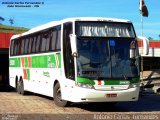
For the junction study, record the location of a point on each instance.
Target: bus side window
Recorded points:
(38, 41)
(15, 48)
(30, 45)
(12, 48)
(19, 47)
(22, 46)
(26, 45)
(48, 40)
(58, 40)
(45, 38)
(34, 44)
(53, 39)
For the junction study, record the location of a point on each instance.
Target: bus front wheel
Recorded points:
(57, 96)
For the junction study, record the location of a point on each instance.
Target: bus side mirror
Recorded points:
(73, 42)
(145, 45)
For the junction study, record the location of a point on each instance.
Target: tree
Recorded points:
(11, 20)
(159, 36)
(1, 18)
(150, 38)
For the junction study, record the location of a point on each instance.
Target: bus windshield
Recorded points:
(106, 58)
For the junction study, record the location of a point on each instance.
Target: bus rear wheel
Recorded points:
(20, 87)
(57, 97)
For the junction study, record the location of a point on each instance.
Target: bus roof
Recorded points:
(54, 23)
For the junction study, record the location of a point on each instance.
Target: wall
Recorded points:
(5, 39)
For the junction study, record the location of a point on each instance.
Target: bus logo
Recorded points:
(112, 88)
(12, 62)
(124, 82)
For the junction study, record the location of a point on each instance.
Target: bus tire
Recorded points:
(57, 97)
(22, 92)
(20, 87)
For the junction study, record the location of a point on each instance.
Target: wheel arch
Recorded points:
(55, 82)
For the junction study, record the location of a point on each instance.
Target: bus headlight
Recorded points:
(83, 85)
(134, 85)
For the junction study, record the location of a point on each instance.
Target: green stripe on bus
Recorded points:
(39, 62)
(116, 82)
(51, 61)
(59, 59)
(85, 80)
(14, 62)
(108, 82)
(28, 74)
(26, 62)
(45, 61)
(135, 80)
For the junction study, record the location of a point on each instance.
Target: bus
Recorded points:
(83, 59)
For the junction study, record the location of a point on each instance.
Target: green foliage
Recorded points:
(11, 29)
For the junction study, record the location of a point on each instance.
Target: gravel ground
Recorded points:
(32, 107)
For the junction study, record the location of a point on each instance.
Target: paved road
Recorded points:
(31, 106)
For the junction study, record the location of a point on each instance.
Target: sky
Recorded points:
(53, 10)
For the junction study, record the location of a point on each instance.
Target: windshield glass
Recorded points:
(107, 57)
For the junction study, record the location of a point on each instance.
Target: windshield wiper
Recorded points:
(125, 77)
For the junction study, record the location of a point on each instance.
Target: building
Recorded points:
(4, 59)
(6, 32)
(152, 60)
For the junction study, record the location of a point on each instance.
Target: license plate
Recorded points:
(111, 95)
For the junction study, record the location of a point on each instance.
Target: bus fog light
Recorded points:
(83, 85)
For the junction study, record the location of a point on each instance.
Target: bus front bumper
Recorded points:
(91, 95)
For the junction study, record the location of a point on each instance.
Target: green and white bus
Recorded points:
(85, 59)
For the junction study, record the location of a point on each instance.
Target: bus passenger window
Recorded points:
(12, 48)
(19, 48)
(45, 38)
(58, 45)
(15, 48)
(48, 40)
(30, 45)
(34, 44)
(22, 46)
(26, 46)
(38, 43)
(53, 39)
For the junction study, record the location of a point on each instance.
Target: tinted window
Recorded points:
(26, 46)
(34, 44)
(30, 45)
(44, 41)
(53, 39)
(56, 38)
(12, 48)
(58, 46)
(38, 42)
